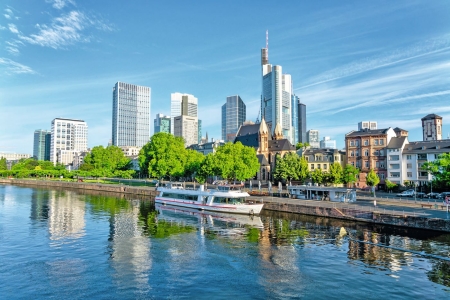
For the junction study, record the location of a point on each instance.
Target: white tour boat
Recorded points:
(227, 199)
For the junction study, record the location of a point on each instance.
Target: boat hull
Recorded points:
(245, 209)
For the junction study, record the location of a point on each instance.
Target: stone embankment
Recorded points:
(112, 188)
(314, 208)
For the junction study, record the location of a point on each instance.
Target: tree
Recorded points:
(3, 165)
(303, 171)
(236, 161)
(440, 170)
(300, 145)
(317, 176)
(390, 185)
(372, 180)
(207, 168)
(350, 174)
(336, 173)
(164, 156)
(193, 163)
(110, 158)
(287, 167)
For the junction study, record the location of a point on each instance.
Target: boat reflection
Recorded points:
(221, 223)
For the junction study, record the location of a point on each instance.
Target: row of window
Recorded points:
(378, 164)
(325, 166)
(376, 142)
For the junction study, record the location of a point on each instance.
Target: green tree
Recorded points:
(390, 185)
(287, 167)
(350, 174)
(372, 180)
(336, 173)
(236, 161)
(163, 157)
(303, 171)
(300, 145)
(207, 168)
(3, 165)
(109, 159)
(193, 163)
(317, 176)
(440, 170)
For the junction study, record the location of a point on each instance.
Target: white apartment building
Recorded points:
(130, 151)
(68, 137)
(131, 115)
(187, 128)
(13, 156)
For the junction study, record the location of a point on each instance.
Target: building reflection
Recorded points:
(39, 205)
(130, 249)
(65, 215)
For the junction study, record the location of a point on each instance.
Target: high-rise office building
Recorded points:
(131, 115)
(182, 104)
(372, 125)
(294, 106)
(276, 96)
(313, 138)
(187, 128)
(41, 145)
(68, 137)
(162, 123)
(301, 123)
(233, 116)
(327, 143)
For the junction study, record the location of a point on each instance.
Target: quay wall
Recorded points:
(362, 216)
(113, 188)
(316, 210)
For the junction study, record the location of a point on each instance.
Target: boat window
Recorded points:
(228, 200)
(180, 196)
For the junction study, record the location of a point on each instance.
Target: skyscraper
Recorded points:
(41, 145)
(162, 124)
(327, 143)
(182, 104)
(302, 123)
(276, 96)
(233, 116)
(131, 115)
(294, 119)
(187, 128)
(68, 137)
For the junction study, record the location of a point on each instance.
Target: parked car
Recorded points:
(443, 195)
(420, 195)
(408, 193)
(432, 195)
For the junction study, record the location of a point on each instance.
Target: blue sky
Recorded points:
(385, 61)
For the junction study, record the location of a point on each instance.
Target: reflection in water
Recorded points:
(66, 215)
(130, 249)
(39, 205)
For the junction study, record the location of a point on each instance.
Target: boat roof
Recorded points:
(221, 192)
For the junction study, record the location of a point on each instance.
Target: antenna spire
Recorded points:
(267, 39)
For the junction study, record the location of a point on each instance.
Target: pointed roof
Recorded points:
(263, 127)
(277, 131)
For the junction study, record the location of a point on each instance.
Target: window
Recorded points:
(409, 174)
(422, 156)
(408, 157)
(377, 164)
(366, 152)
(381, 176)
(324, 166)
(375, 142)
(312, 166)
(409, 165)
(381, 163)
(382, 152)
(353, 163)
(357, 143)
(423, 174)
(377, 152)
(394, 157)
(381, 142)
(367, 163)
(318, 166)
(366, 142)
(352, 143)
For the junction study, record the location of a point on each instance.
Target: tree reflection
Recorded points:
(440, 273)
(160, 228)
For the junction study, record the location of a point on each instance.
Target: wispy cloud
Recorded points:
(11, 67)
(397, 56)
(59, 4)
(13, 28)
(8, 14)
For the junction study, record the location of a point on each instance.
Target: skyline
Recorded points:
(61, 59)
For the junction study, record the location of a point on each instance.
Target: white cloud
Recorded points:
(59, 4)
(2, 27)
(13, 67)
(8, 13)
(63, 31)
(13, 28)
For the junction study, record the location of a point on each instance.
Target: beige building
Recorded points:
(187, 128)
(323, 158)
(366, 150)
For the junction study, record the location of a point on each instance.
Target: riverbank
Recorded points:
(403, 214)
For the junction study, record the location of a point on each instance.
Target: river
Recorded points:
(63, 244)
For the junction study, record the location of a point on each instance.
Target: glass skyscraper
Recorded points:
(301, 123)
(131, 115)
(233, 116)
(41, 145)
(162, 123)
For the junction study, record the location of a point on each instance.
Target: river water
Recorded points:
(60, 244)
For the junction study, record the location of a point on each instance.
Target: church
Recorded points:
(267, 146)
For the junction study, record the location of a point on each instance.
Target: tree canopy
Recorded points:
(3, 165)
(350, 174)
(236, 161)
(336, 173)
(440, 170)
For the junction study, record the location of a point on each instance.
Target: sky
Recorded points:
(350, 61)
